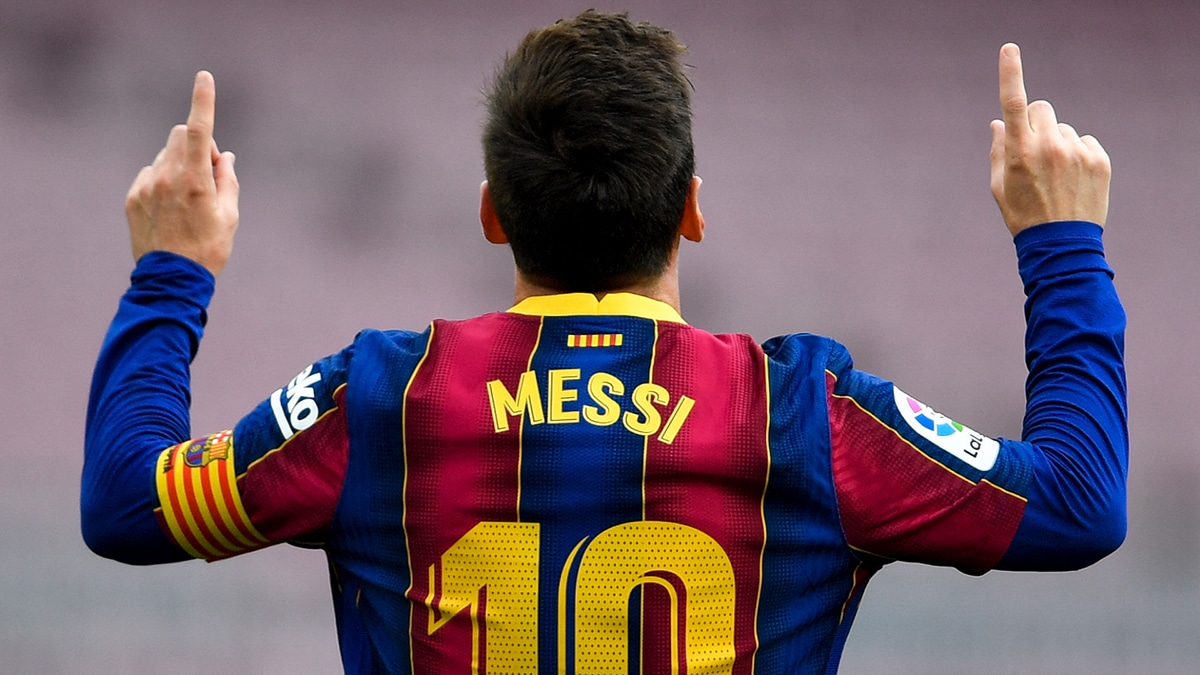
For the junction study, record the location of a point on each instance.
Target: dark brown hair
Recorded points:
(588, 151)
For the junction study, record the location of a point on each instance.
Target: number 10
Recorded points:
(502, 560)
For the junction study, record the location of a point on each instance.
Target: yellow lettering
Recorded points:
(504, 404)
(644, 397)
(603, 388)
(559, 395)
(600, 386)
(676, 420)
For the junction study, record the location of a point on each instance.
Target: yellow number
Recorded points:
(673, 556)
(688, 564)
(503, 558)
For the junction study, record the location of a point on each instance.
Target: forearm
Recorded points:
(1076, 414)
(138, 406)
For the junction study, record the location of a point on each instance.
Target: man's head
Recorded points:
(588, 152)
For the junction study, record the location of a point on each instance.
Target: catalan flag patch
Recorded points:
(595, 340)
(201, 507)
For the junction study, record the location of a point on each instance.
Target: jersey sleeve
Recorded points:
(277, 476)
(150, 495)
(915, 485)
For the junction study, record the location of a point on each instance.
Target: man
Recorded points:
(585, 483)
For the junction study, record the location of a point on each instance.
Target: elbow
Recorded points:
(1102, 534)
(1097, 523)
(124, 535)
(117, 512)
(1069, 539)
(102, 533)
(1076, 514)
(1091, 535)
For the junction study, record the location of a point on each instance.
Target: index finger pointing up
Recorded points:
(200, 119)
(1013, 102)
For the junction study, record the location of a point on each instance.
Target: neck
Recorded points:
(664, 288)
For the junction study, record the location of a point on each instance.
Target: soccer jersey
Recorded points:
(591, 485)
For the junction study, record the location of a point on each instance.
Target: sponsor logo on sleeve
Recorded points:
(974, 448)
(296, 407)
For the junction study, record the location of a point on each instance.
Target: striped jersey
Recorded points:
(591, 485)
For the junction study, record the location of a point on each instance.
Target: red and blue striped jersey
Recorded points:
(588, 485)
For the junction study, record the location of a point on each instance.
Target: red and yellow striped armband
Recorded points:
(201, 509)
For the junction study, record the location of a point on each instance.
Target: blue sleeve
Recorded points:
(1075, 432)
(138, 406)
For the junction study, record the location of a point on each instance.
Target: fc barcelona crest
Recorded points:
(201, 451)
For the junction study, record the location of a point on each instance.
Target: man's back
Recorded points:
(584, 487)
(590, 482)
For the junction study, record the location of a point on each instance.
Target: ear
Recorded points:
(487, 217)
(691, 224)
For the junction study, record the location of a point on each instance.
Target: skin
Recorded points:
(1042, 170)
(186, 202)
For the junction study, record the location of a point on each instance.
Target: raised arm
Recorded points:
(184, 204)
(1076, 408)
(927, 489)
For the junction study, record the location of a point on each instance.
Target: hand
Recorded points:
(1042, 170)
(186, 202)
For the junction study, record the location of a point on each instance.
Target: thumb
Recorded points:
(227, 184)
(998, 157)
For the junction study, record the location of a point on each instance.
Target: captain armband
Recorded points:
(201, 510)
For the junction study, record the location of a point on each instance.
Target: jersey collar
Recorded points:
(620, 304)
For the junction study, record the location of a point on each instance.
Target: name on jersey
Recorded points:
(645, 409)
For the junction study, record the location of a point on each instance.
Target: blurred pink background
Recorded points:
(843, 147)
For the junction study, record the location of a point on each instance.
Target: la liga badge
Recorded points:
(962, 442)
